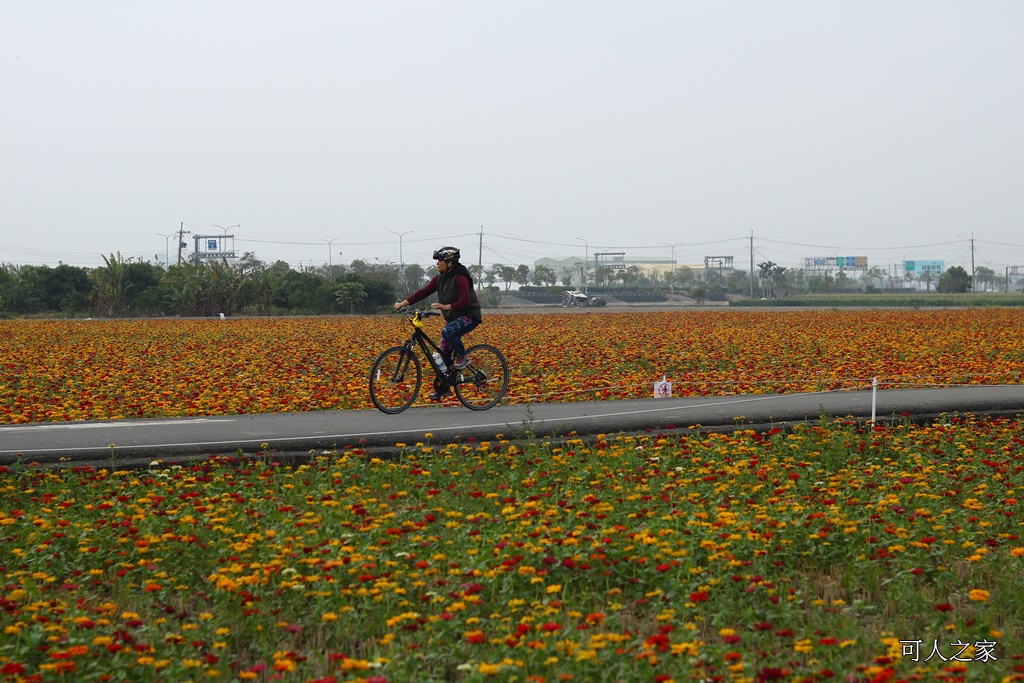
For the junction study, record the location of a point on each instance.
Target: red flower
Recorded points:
(12, 669)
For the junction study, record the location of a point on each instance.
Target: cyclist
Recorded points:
(457, 302)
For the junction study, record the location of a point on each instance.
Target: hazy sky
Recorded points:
(888, 129)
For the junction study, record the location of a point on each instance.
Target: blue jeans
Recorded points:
(451, 335)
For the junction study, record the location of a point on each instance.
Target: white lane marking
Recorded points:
(409, 431)
(104, 425)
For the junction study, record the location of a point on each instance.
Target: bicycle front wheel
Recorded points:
(395, 380)
(485, 381)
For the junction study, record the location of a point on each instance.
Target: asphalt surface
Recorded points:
(131, 442)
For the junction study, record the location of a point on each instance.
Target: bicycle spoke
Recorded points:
(484, 382)
(395, 380)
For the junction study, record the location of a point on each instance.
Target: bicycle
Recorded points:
(397, 375)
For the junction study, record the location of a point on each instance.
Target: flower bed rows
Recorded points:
(74, 370)
(830, 553)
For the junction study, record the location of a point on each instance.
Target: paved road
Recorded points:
(134, 441)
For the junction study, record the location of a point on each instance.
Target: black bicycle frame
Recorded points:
(428, 346)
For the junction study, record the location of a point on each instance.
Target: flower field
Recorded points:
(95, 370)
(833, 552)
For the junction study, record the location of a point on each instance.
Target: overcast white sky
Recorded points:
(888, 129)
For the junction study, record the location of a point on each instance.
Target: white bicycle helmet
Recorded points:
(446, 254)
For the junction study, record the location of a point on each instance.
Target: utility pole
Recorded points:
(751, 264)
(181, 233)
(974, 284)
(480, 262)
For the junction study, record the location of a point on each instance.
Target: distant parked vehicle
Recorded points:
(574, 298)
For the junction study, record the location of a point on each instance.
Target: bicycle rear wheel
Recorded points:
(395, 380)
(485, 381)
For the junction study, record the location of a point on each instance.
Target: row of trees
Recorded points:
(777, 281)
(126, 287)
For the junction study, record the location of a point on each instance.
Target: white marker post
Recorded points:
(874, 397)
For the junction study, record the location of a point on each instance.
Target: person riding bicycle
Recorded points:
(456, 300)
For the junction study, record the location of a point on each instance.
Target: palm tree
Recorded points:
(765, 273)
(110, 292)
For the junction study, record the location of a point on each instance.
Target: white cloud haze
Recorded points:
(885, 129)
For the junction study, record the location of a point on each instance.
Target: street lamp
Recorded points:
(330, 263)
(672, 248)
(167, 247)
(903, 265)
(586, 262)
(401, 258)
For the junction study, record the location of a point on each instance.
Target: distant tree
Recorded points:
(986, 277)
(816, 284)
(264, 286)
(507, 274)
(544, 275)
(841, 279)
(143, 287)
(67, 289)
(415, 276)
(780, 282)
(349, 294)
(522, 276)
(299, 291)
(875, 276)
(359, 267)
(685, 276)
(699, 293)
(634, 274)
(379, 294)
(765, 275)
(110, 289)
(954, 280)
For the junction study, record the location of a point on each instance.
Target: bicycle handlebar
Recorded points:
(423, 314)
